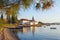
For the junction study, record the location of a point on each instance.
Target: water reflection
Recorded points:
(27, 29)
(39, 33)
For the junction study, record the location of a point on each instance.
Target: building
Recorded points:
(24, 21)
(28, 22)
(33, 22)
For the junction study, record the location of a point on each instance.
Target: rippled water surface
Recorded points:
(40, 33)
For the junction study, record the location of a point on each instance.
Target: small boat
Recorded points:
(52, 28)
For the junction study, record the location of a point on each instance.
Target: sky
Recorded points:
(47, 16)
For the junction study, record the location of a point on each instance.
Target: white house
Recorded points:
(28, 22)
(33, 23)
(24, 21)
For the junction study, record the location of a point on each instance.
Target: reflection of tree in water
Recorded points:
(12, 7)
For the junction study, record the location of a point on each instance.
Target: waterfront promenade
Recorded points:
(7, 34)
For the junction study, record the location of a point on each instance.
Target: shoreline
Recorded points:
(7, 34)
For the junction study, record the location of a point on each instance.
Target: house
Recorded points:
(33, 22)
(28, 22)
(24, 21)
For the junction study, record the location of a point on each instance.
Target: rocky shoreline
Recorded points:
(7, 34)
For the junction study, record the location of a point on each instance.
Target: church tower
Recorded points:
(33, 18)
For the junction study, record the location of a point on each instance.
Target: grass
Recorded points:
(10, 25)
(1, 25)
(7, 25)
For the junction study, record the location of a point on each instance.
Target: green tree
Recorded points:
(13, 20)
(12, 9)
(2, 16)
(27, 3)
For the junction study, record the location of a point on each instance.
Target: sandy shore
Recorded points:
(6, 34)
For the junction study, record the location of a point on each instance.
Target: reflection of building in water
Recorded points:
(32, 29)
(25, 30)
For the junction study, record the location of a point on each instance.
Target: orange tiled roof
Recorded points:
(24, 19)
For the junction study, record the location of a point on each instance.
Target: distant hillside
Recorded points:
(52, 23)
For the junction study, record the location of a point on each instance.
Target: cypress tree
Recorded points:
(2, 16)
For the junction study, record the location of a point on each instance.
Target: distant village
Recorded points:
(30, 22)
(24, 21)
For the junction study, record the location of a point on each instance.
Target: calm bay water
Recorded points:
(40, 33)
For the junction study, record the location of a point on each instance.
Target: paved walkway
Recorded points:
(6, 34)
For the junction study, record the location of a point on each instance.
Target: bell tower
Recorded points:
(33, 18)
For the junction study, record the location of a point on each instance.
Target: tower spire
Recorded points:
(33, 18)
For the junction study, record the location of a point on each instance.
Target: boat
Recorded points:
(53, 28)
